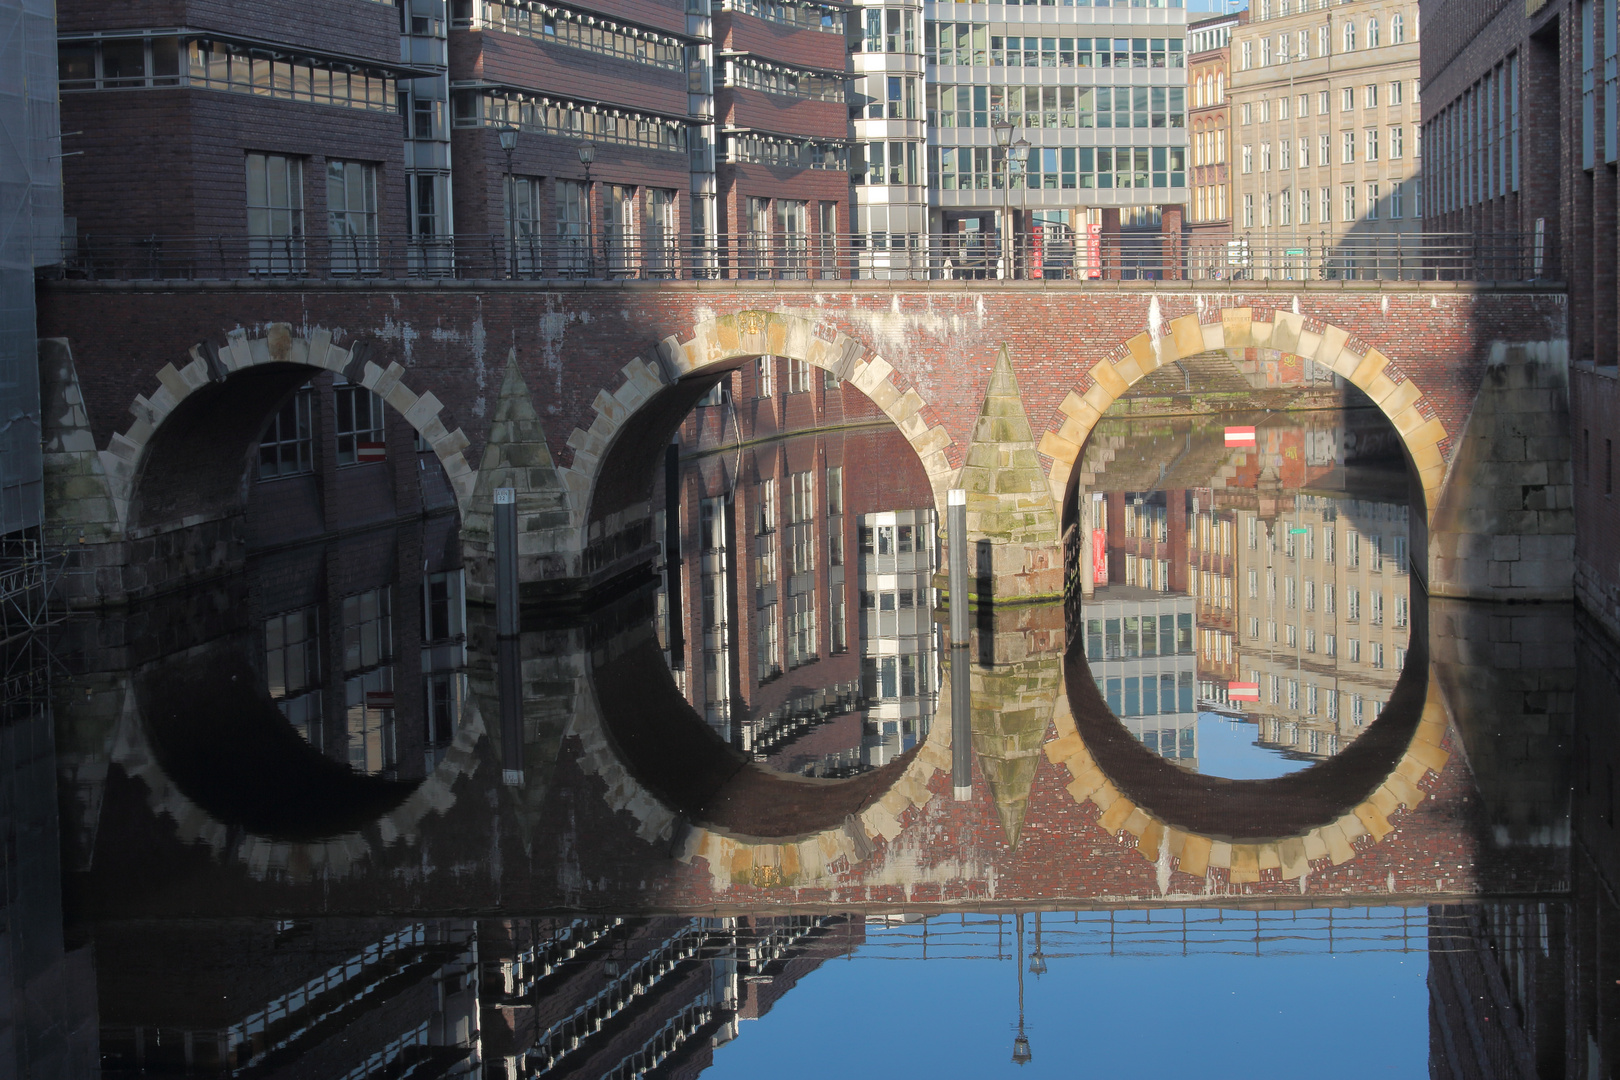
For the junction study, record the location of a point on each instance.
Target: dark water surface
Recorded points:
(1253, 805)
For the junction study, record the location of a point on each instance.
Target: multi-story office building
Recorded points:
(1325, 123)
(888, 124)
(1139, 644)
(899, 647)
(1097, 93)
(1209, 124)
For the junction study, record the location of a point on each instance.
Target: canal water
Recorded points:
(1244, 801)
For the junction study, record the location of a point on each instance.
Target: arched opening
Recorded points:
(1246, 656)
(793, 651)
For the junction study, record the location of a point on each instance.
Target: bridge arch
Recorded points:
(608, 472)
(176, 416)
(1412, 413)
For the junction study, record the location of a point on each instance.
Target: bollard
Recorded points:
(961, 724)
(506, 564)
(957, 544)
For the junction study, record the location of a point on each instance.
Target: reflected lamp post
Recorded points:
(1021, 1053)
(509, 138)
(587, 157)
(1037, 959)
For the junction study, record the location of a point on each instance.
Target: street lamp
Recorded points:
(1019, 154)
(587, 156)
(1037, 959)
(1021, 1053)
(1003, 129)
(509, 138)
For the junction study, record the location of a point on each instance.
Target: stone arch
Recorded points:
(129, 451)
(1381, 379)
(718, 344)
(1243, 858)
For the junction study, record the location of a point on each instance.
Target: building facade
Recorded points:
(1209, 124)
(1099, 95)
(1325, 109)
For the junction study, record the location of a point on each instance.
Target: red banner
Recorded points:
(1093, 249)
(1037, 252)
(1099, 557)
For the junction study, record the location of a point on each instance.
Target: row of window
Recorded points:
(1284, 733)
(1330, 645)
(745, 71)
(1302, 43)
(891, 30)
(1475, 147)
(801, 14)
(885, 97)
(1347, 102)
(870, 163)
(576, 29)
(1133, 636)
(1149, 695)
(1209, 90)
(1371, 140)
(1352, 597)
(275, 213)
(1175, 4)
(1067, 168)
(788, 153)
(1278, 210)
(287, 447)
(972, 45)
(551, 116)
(1209, 203)
(1058, 106)
(125, 63)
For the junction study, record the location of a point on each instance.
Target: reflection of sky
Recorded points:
(1230, 748)
(1119, 1017)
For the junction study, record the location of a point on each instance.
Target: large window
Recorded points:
(368, 654)
(661, 236)
(275, 213)
(359, 425)
(292, 662)
(523, 222)
(572, 252)
(287, 445)
(351, 215)
(619, 221)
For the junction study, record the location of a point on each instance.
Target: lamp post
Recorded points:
(1037, 959)
(1003, 129)
(1020, 154)
(509, 138)
(587, 156)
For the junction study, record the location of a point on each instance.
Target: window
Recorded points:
(1349, 207)
(1397, 142)
(351, 215)
(1369, 96)
(1321, 41)
(1347, 99)
(287, 445)
(1397, 33)
(368, 654)
(275, 213)
(292, 664)
(1324, 156)
(1327, 597)
(1265, 159)
(1372, 33)
(359, 425)
(1248, 158)
(1354, 650)
(1349, 37)
(1248, 56)
(572, 254)
(1395, 92)
(1248, 211)
(1248, 113)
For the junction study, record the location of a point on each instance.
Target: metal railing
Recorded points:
(938, 257)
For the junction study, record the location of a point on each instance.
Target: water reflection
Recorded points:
(1263, 580)
(297, 840)
(814, 648)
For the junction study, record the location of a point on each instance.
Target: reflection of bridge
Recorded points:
(612, 368)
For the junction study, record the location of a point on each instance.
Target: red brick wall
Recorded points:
(735, 31)
(347, 27)
(516, 60)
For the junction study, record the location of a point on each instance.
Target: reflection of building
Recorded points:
(1139, 644)
(619, 997)
(775, 505)
(899, 650)
(1322, 617)
(1325, 121)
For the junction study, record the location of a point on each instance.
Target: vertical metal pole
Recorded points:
(961, 687)
(506, 568)
(509, 679)
(672, 556)
(957, 544)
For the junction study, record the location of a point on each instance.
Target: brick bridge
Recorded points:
(156, 394)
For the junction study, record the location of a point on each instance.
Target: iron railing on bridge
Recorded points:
(951, 256)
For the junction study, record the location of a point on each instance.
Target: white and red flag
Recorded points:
(1240, 436)
(1243, 691)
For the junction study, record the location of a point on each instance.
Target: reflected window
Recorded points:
(368, 654)
(442, 606)
(359, 425)
(292, 662)
(287, 447)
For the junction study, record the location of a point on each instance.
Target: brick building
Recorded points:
(1209, 124)
(630, 125)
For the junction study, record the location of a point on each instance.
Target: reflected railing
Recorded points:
(977, 255)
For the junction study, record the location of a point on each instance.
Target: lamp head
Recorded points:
(1020, 150)
(1037, 964)
(1003, 128)
(587, 154)
(509, 136)
(1021, 1054)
